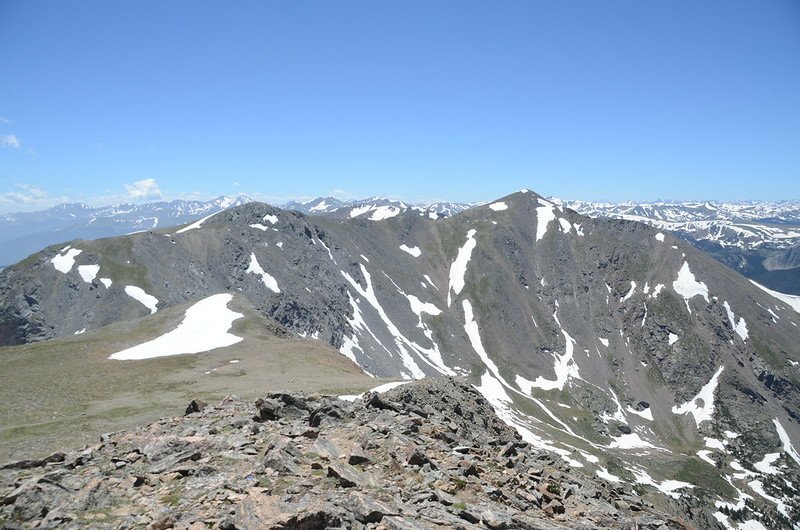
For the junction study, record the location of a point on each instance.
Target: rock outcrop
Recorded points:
(430, 454)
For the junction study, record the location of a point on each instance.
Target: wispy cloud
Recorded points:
(29, 197)
(33, 191)
(143, 189)
(343, 195)
(10, 141)
(5, 121)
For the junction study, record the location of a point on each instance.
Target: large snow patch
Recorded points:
(204, 328)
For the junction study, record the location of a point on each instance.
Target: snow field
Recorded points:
(205, 327)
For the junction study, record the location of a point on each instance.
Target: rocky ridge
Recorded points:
(23, 233)
(755, 238)
(430, 454)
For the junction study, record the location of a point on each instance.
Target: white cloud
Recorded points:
(10, 141)
(29, 197)
(5, 121)
(34, 191)
(342, 195)
(143, 189)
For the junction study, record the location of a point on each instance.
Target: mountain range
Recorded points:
(23, 233)
(761, 240)
(624, 350)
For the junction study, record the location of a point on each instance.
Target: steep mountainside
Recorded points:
(26, 232)
(753, 237)
(627, 352)
(786, 260)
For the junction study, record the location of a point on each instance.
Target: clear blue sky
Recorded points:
(417, 100)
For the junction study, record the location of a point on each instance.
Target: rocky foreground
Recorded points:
(430, 454)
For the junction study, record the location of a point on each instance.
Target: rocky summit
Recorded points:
(430, 454)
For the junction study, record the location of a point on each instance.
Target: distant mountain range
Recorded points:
(761, 240)
(376, 208)
(23, 233)
(743, 225)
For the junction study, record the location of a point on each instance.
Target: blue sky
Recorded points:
(462, 100)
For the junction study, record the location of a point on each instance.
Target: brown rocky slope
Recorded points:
(430, 454)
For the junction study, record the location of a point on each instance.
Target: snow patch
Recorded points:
(474, 335)
(564, 368)
(380, 389)
(741, 327)
(400, 340)
(414, 251)
(205, 327)
(88, 272)
(106, 281)
(493, 390)
(498, 206)
(605, 475)
(705, 454)
(428, 279)
(255, 268)
(459, 267)
(196, 224)
(787, 443)
(544, 214)
(705, 411)
(672, 339)
(792, 300)
(668, 486)
(765, 465)
(659, 237)
(63, 262)
(138, 294)
(418, 307)
(630, 441)
(630, 293)
(688, 287)
(758, 487)
(618, 414)
(383, 212)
